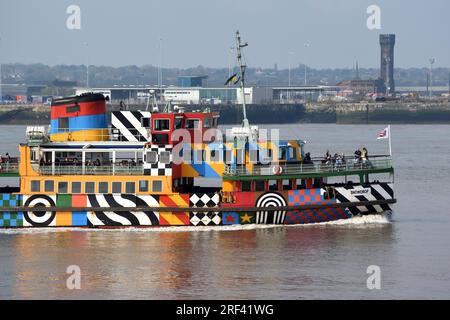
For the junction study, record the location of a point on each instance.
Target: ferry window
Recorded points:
(160, 138)
(63, 124)
(207, 123)
(246, 186)
(76, 187)
(317, 183)
(178, 123)
(253, 156)
(35, 186)
(292, 153)
(89, 187)
(240, 155)
(228, 156)
(72, 109)
(49, 186)
(157, 186)
(145, 122)
(282, 153)
(287, 184)
(215, 156)
(164, 157)
(130, 187)
(161, 124)
(273, 184)
(301, 184)
(152, 157)
(117, 187)
(260, 185)
(143, 186)
(192, 123)
(198, 156)
(103, 187)
(63, 187)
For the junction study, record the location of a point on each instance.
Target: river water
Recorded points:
(295, 262)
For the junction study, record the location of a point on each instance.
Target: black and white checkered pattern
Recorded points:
(204, 200)
(158, 168)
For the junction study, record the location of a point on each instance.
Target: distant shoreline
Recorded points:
(339, 113)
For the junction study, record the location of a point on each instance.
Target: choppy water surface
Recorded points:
(295, 262)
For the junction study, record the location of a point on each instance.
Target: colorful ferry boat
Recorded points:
(92, 169)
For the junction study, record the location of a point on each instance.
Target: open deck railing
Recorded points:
(92, 170)
(9, 168)
(374, 163)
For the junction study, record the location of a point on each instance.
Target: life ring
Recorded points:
(277, 170)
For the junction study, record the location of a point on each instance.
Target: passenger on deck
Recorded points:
(357, 158)
(8, 158)
(307, 158)
(327, 159)
(364, 155)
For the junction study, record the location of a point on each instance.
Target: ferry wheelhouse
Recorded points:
(171, 168)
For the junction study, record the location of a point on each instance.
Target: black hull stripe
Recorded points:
(141, 203)
(100, 215)
(126, 214)
(388, 189)
(379, 197)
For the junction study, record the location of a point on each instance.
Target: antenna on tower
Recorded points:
(242, 67)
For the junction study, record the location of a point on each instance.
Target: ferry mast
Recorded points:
(242, 67)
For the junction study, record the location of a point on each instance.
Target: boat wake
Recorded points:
(358, 221)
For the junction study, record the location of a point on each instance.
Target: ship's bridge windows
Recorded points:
(117, 187)
(76, 187)
(192, 123)
(35, 186)
(157, 186)
(89, 187)
(160, 138)
(161, 124)
(130, 187)
(151, 157)
(103, 187)
(178, 123)
(273, 185)
(63, 187)
(49, 186)
(164, 157)
(143, 186)
(260, 185)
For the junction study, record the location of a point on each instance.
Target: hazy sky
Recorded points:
(201, 32)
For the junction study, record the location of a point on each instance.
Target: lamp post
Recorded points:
(1, 93)
(307, 45)
(432, 61)
(289, 76)
(87, 65)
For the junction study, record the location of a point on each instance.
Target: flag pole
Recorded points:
(390, 144)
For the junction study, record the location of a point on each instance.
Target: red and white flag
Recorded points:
(384, 134)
